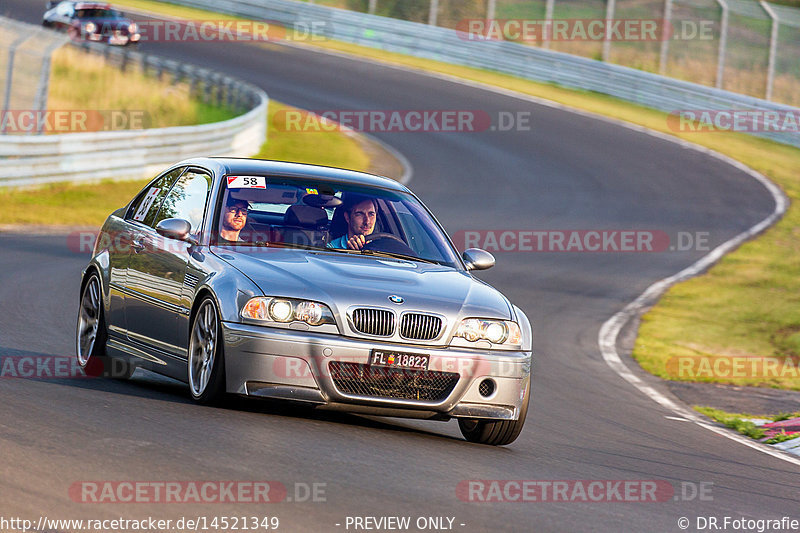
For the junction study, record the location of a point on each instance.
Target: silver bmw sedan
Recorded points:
(311, 284)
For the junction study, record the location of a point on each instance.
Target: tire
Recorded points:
(206, 365)
(495, 432)
(92, 334)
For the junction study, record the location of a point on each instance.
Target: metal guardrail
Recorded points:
(745, 46)
(90, 156)
(25, 53)
(442, 44)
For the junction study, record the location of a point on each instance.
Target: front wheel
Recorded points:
(206, 366)
(495, 432)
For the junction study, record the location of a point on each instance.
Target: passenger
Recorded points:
(234, 218)
(360, 215)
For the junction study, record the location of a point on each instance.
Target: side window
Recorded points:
(146, 206)
(187, 199)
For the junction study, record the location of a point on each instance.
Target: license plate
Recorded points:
(413, 361)
(118, 39)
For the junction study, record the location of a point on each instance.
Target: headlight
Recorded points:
(90, 27)
(284, 310)
(495, 331)
(133, 28)
(312, 313)
(281, 310)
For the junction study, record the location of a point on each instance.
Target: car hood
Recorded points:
(345, 280)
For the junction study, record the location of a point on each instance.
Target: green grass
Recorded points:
(81, 81)
(738, 422)
(782, 437)
(65, 204)
(334, 148)
(733, 421)
(785, 416)
(89, 205)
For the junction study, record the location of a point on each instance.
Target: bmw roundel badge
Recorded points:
(396, 299)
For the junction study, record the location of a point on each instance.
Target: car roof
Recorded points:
(232, 165)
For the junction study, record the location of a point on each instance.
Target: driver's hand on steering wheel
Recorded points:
(356, 242)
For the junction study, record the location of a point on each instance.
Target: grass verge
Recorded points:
(740, 423)
(333, 148)
(81, 81)
(89, 205)
(734, 421)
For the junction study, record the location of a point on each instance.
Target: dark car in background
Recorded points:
(91, 21)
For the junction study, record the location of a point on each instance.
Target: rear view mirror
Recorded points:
(477, 259)
(176, 228)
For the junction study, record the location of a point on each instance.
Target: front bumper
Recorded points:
(116, 38)
(295, 365)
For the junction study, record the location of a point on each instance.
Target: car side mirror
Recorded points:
(477, 259)
(176, 228)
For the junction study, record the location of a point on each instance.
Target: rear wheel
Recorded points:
(92, 335)
(206, 366)
(495, 432)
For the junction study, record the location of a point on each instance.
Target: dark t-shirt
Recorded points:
(222, 241)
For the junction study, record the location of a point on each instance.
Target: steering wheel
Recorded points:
(375, 236)
(387, 242)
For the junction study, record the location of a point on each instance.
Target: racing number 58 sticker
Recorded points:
(247, 182)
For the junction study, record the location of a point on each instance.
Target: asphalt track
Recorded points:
(585, 422)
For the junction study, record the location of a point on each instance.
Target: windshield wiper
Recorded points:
(396, 255)
(270, 244)
(376, 253)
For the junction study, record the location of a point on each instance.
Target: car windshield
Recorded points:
(308, 214)
(96, 13)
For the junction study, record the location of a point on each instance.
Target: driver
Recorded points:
(234, 218)
(360, 216)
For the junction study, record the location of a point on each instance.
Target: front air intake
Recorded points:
(420, 327)
(379, 322)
